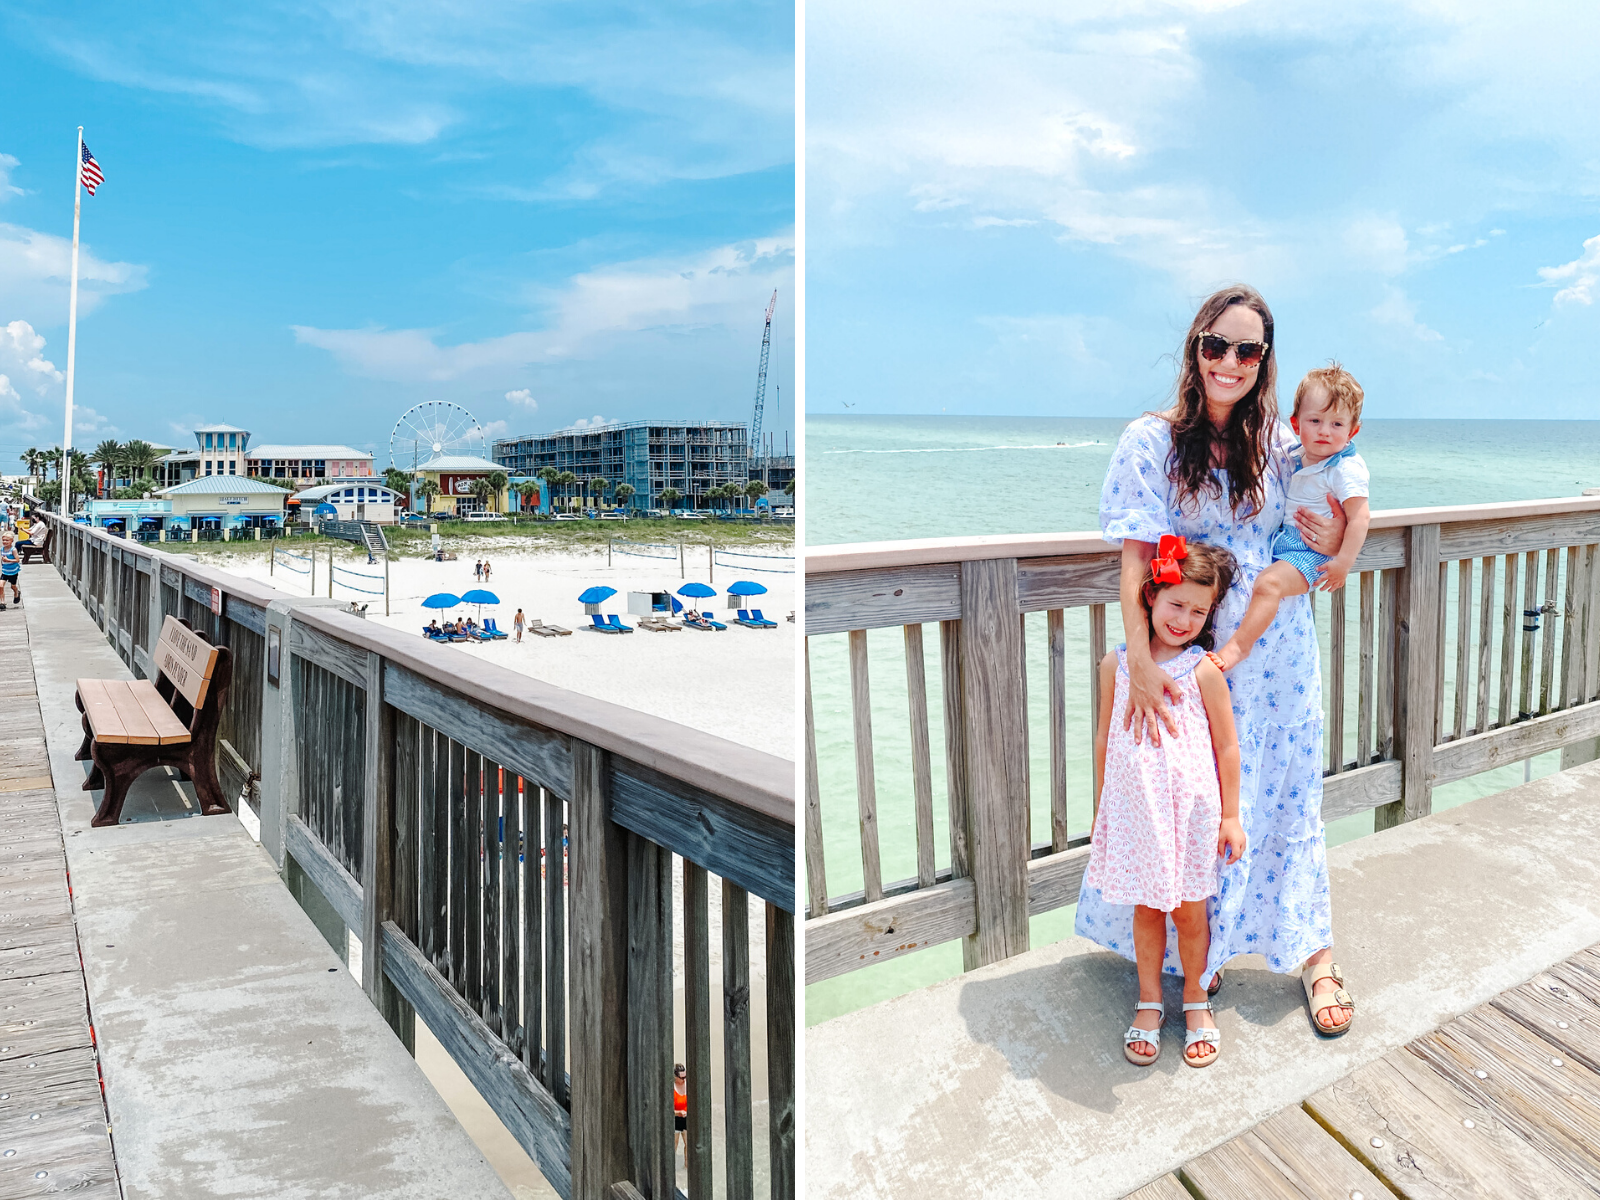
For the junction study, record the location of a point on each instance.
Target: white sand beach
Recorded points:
(737, 683)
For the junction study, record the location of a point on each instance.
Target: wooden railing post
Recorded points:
(599, 963)
(1417, 648)
(377, 857)
(996, 771)
(649, 1034)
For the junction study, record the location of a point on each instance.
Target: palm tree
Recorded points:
(528, 490)
(397, 481)
(481, 491)
(670, 497)
(599, 485)
(429, 489)
(755, 489)
(788, 488)
(624, 492)
(108, 454)
(566, 479)
(497, 482)
(139, 456)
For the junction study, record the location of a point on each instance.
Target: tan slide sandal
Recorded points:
(1338, 998)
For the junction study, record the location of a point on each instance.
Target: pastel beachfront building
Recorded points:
(226, 450)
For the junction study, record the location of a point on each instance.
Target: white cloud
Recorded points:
(1398, 311)
(593, 422)
(7, 188)
(22, 350)
(715, 288)
(523, 397)
(36, 274)
(493, 429)
(1580, 275)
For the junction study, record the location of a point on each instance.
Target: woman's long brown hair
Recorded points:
(1247, 440)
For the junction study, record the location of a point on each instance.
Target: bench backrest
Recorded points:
(186, 659)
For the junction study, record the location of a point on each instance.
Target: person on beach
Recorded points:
(680, 1110)
(477, 570)
(10, 570)
(517, 622)
(1215, 468)
(1166, 812)
(1327, 415)
(486, 570)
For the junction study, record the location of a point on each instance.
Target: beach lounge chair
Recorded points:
(494, 630)
(616, 623)
(755, 615)
(705, 614)
(600, 625)
(479, 634)
(427, 632)
(749, 622)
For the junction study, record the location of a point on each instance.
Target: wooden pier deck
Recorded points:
(53, 1132)
(1499, 1104)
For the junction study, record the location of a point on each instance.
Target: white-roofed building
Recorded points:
(310, 462)
(355, 502)
(225, 502)
(457, 476)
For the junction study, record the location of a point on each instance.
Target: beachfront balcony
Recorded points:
(1467, 641)
(564, 894)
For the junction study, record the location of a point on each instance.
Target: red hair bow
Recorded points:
(1165, 569)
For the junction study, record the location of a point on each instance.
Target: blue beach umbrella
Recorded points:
(480, 597)
(598, 594)
(698, 590)
(442, 600)
(325, 510)
(746, 588)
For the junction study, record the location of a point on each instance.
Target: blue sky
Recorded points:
(1016, 210)
(316, 214)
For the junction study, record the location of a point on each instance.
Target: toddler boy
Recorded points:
(1327, 415)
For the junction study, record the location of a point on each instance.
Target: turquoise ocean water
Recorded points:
(887, 478)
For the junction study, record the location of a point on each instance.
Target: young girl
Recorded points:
(1166, 813)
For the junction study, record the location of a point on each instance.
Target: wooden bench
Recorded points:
(38, 543)
(132, 725)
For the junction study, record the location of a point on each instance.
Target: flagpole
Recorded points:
(72, 332)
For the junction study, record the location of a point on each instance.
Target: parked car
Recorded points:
(480, 518)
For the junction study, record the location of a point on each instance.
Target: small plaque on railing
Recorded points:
(216, 601)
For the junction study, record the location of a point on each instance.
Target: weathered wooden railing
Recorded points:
(1416, 694)
(435, 805)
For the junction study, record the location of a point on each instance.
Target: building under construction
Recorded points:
(651, 456)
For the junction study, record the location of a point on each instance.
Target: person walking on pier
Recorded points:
(10, 569)
(1166, 812)
(1215, 468)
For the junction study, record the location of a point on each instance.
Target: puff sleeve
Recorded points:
(1136, 501)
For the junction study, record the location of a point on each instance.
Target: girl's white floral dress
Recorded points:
(1274, 901)
(1155, 834)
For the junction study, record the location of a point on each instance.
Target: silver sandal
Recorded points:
(1135, 1034)
(1193, 1037)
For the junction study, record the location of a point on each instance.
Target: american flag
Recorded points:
(92, 178)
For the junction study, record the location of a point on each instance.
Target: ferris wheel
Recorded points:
(436, 427)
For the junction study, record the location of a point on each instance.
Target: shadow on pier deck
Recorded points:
(1013, 1082)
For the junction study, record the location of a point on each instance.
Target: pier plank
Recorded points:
(1427, 1153)
(1555, 1109)
(1166, 1188)
(1558, 1013)
(1287, 1155)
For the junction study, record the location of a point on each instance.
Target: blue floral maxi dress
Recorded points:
(1274, 901)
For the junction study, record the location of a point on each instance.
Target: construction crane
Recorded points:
(761, 383)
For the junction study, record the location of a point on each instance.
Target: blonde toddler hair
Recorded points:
(1344, 393)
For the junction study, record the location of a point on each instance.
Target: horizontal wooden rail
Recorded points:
(1413, 699)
